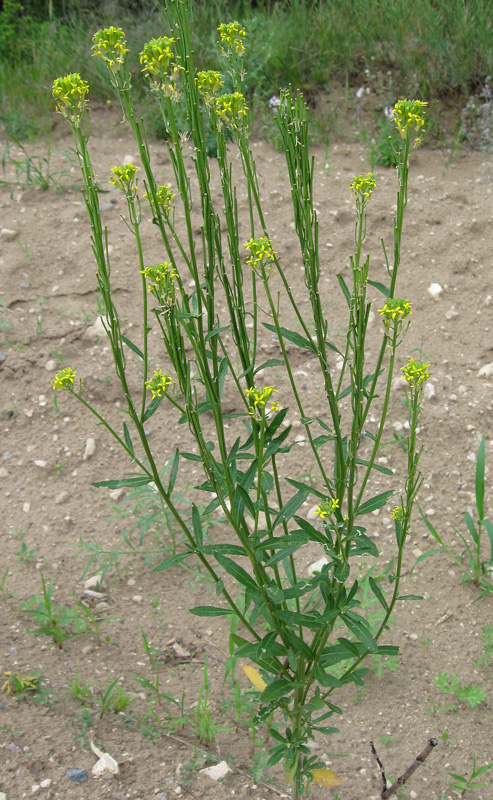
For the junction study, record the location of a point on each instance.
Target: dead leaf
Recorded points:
(325, 777)
(254, 677)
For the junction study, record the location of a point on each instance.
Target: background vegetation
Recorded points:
(438, 49)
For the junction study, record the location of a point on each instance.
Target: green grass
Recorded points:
(428, 48)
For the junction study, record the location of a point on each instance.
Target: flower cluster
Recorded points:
(164, 198)
(70, 93)
(231, 107)
(327, 508)
(362, 187)
(161, 279)
(259, 399)
(398, 513)
(395, 310)
(110, 45)
(407, 115)
(64, 380)
(231, 36)
(208, 83)
(157, 58)
(262, 255)
(124, 179)
(416, 373)
(158, 384)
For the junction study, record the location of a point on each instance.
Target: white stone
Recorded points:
(312, 512)
(96, 331)
(137, 598)
(94, 582)
(115, 494)
(35, 788)
(26, 507)
(451, 313)
(217, 771)
(3, 796)
(51, 365)
(486, 371)
(90, 449)
(106, 762)
(435, 290)
(417, 552)
(128, 160)
(40, 463)
(46, 783)
(316, 567)
(8, 235)
(60, 498)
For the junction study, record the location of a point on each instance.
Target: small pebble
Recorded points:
(90, 449)
(51, 365)
(435, 290)
(77, 775)
(8, 235)
(137, 598)
(46, 783)
(486, 371)
(61, 497)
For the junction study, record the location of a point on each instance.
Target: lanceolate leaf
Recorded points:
(278, 689)
(133, 347)
(292, 336)
(211, 611)
(236, 571)
(480, 471)
(359, 628)
(378, 593)
(124, 483)
(375, 502)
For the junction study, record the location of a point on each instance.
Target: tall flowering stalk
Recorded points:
(284, 623)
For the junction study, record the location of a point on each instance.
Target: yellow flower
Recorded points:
(395, 310)
(362, 187)
(64, 379)
(327, 508)
(158, 384)
(231, 35)
(109, 44)
(259, 399)
(70, 95)
(160, 66)
(124, 179)
(262, 254)
(161, 279)
(416, 373)
(209, 83)
(231, 107)
(164, 198)
(408, 115)
(398, 513)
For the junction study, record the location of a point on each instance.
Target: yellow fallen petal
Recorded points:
(325, 777)
(254, 676)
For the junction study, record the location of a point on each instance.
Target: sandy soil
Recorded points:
(53, 522)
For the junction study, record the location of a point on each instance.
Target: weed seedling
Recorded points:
(81, 692)
(487, 638)
(58, 622)
(480, 567)
(18, 685)
(24, 554)
(471, 694)
(460, 785)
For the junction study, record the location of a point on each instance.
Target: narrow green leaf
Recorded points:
(375, 502)
(191, 456)
(197, 526)
(410, 597)
(236, 571)
(174, 471)
(304, 487)
(380, 287)
(480, 471)
(377, 467)
(272, 362)
(378, 593)
(226, 549)
(290, 508)
(278, 689)
(172, 561)
(128, 441)
(293, 337)
(153, 408)
(359, 628)
(345, 290)
(212, 611)
(216, 332)
(133, 347)
(124, 483)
